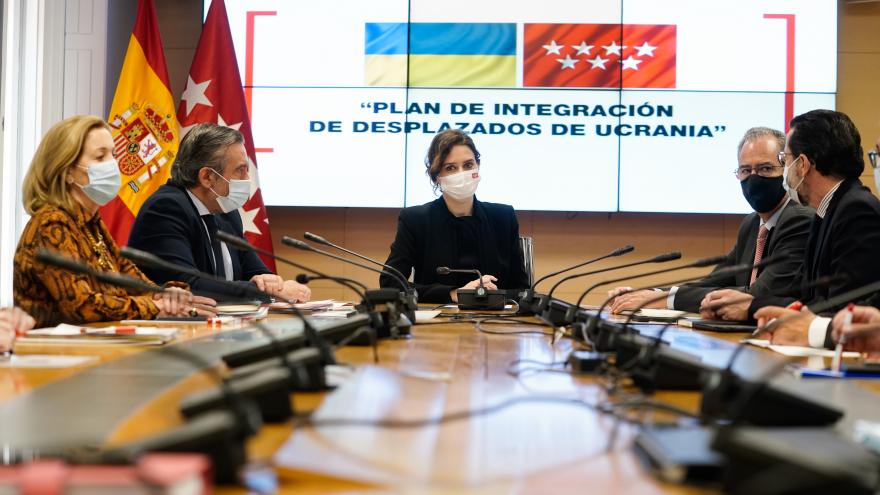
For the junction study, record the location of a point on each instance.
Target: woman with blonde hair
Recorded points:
(73, 173)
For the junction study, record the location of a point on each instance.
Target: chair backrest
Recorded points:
(525, 247)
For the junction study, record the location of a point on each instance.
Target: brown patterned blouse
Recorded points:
(54, 295)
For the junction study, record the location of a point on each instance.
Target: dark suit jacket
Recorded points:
(169, 226)
(426, 238)
(845, 242)
(788, 238)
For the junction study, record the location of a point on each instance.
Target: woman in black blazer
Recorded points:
(456, 230)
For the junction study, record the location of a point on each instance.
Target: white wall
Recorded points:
(31, 89)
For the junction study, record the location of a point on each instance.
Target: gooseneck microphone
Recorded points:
(479, 298)
(395, 272)
(593, 321)
(411, 297)
(116, 279)
(401, 306)
(617, 252)
(298, 244)
(592, 332)
(662, 258)
(149, 259)
(390, 323)
(558, 313)
(713, 260)
(304, 278)
(244, 245)
(649, 369)
(445, 270)
(531, 302)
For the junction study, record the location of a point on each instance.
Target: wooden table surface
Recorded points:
(544, 444)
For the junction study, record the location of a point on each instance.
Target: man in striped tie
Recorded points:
(778, 227)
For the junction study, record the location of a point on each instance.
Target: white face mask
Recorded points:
(460, 186)
(239, 193)
(104, 182)
(791, 190)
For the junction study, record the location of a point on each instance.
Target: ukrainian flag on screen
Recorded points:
(440, 54)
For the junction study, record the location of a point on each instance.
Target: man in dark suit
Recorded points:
(823, 159)
(209, 182)
(781, 226)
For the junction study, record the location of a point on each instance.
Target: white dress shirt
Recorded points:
(227, 258)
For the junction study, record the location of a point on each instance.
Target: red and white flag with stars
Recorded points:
(214, 94)
(599, 55)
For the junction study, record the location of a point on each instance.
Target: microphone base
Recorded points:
(268, 389)
(481, 300)
(394, 311)
(659, 367)
(215, 434)
(529, 303)
(307, 374)
(795, 460)
(769, 405)
(556, 313)
(603, 334)
(680, 454)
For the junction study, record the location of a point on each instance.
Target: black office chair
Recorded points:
(525, 248)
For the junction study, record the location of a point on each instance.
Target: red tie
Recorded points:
(759, 251)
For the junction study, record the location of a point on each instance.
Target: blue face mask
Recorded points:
(104, 182)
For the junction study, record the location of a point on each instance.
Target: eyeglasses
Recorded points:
(781, 156)
(764, 170)
(872, 157)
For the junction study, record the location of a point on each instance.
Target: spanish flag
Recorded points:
(440, 54)
(144, 126)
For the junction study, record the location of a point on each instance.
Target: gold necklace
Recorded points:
(104, 260)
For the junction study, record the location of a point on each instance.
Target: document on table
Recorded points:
(798, 351)
(307, 306)
(423, 315)
(660, 313)
(73, 334)
(45, 361)
(242, 311)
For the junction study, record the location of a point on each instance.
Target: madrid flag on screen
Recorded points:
(144, 127)
(599, 55)
(214, 94)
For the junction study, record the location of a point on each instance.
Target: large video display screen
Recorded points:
(575, 105)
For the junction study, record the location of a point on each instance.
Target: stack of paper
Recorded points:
(69, 334)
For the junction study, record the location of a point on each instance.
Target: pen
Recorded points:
(838, 350)
(127, 330)
(795, 306)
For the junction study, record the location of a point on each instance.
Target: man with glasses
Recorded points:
(778, 227)
(824, 160)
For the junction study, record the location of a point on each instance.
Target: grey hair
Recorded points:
(203, 146)
(759, 132)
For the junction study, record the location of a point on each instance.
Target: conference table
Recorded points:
(520, 421)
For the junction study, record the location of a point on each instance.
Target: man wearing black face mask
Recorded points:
(779, 227)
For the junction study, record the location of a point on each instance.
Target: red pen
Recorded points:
(116, 330)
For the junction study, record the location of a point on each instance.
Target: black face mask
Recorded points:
(763, 193)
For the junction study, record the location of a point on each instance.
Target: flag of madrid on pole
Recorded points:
(214, 94)
(144, 128)
(599, 55)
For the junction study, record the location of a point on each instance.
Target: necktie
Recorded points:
(211, 223)
(759, 250)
